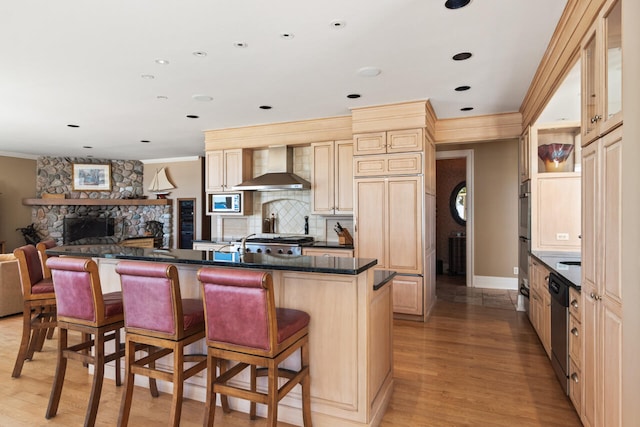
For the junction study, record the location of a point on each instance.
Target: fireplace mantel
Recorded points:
(96, 202)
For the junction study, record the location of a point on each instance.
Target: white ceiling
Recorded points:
(81, 61)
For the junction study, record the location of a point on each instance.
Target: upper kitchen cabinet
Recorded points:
(393, 141)
(602, 73)
(227, 168)
(332, 177)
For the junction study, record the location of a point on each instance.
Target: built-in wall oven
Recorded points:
(524, 246)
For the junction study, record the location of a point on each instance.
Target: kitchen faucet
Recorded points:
(243, 245)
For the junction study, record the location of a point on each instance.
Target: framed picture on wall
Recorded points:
(91, 177)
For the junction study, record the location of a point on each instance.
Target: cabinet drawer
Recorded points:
(575, 340)
(345, 253)
(575, 304)
(575, 386)
(402, 164)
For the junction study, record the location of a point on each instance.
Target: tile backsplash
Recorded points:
(289, 207)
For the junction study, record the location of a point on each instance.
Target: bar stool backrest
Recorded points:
(42, 248)
(79, 296)
(239, 308)
(152, 300)
(29, 267)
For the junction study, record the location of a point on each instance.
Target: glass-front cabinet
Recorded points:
(602, 73)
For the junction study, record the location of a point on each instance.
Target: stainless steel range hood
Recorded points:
(279, 174)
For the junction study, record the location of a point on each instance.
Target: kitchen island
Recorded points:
(350, 334)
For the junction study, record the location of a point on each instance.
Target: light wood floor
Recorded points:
(468, 366)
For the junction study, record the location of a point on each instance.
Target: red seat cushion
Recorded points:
(44, 286)
(193, 313)
(290, 321)
(113, 304)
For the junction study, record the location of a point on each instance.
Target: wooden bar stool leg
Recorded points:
(223, 397)
(272, 405)
(117, 350)
(252, 404)
(125, 404)
(98, 377)
(210, 403)
(24, 343)
(58, 381)
(306, 386)
(178, 384)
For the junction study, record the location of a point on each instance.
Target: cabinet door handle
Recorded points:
(574, 331)
(574, 303)
(574, 377)
(596, 118)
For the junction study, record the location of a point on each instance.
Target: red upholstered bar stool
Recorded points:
(42, 252)
(39, 305)
(46, 273)
(82, 307)
(156, 315)
(244, 325)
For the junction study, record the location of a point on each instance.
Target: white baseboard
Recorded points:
(491, 282)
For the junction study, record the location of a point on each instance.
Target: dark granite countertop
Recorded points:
(381, 278)
(309, 264)
(573, 273)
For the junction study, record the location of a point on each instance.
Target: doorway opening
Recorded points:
(454, 215)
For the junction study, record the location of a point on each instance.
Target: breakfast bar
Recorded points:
(351, 355)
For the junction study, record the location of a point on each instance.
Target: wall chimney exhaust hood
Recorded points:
(279, 174)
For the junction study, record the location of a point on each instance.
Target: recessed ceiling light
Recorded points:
(369, 71)
(338, 24)
(87, 146)
(462, 56)
(199, 53)
(240, 44)
(462, 88)
(287, 35)
(192, 116)
(162, 62)
(354, 96)
(203, 98)
(148, 76)
(466, 109)
(265, 107)
(73, 126)
(162, 97)
(456, 4)
(145, 141)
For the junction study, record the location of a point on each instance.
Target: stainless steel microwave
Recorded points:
(225, 202)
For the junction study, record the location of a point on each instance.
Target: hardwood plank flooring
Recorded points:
(469, 365)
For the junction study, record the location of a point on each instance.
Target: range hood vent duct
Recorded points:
(279, 174)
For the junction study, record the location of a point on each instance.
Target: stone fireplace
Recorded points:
(54, 177)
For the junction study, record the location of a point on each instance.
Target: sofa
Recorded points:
(10, 287)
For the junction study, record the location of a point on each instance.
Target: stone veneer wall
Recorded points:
(54, 176)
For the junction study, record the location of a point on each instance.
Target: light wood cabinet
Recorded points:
(602, 73)
(555, 187)
(332, 178)
(395, 141)
(602, 286)
(555, 213)
(388, 222)
(227, 168)
(408, 295)
(540, 304)
(392, 164)
(143, 242)
(344, 253)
